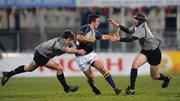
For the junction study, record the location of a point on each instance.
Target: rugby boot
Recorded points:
(117, 90)
(166, 82)
(130, 91)
(71, 89)
(4, 79)
(94, 88)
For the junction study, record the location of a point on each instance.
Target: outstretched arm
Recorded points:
(74, 50)
(113, 22)
(112, 37)
(123, 28)
(118, 38)
(128, 39)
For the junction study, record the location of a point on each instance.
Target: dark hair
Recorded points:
(68, 34)
(92, 18)
(141, 17)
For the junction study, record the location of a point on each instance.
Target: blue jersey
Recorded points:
(88, 32)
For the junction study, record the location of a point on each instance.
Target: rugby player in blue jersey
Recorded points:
(86, 38)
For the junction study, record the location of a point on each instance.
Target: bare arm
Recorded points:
(113, 22)
(82, 38)
(74, 50)
(123, 28)
(112, 37)
(106, 37)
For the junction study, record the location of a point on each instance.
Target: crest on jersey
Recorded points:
(90, 35)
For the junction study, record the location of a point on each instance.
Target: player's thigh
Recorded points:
(139, 60)
(99, 66)
(53, 65)
(154, 71)
(89, 74)
(31, 66)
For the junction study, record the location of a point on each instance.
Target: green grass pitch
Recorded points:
(48, 89)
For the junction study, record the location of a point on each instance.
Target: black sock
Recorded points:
(91, 84)
(162, 77)
(18, 70)
(62, 80)
(133, 78)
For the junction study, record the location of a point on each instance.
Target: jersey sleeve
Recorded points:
(59, 46)
(128, 39)
(82, 30)
(132, 29)
(139, 32)
(98, 35)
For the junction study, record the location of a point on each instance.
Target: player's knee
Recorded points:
(60, 69)
(135, 65)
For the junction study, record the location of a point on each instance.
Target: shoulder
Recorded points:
(146, 25)
(84, 29)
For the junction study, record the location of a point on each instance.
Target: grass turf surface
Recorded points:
(48, 89)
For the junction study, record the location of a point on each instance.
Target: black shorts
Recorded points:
(153, 56)
(40, 59)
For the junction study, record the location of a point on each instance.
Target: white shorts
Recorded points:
(84, 62)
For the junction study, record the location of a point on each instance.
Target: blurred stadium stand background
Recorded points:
(26, 23)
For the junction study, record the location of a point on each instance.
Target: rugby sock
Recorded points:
(109, 79)
(18, 70)
(62, 80)
(133, 78)
(92, 85)
(162, 77)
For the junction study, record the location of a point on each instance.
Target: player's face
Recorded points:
(136, 22)
(96, 23)
(68, 41)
